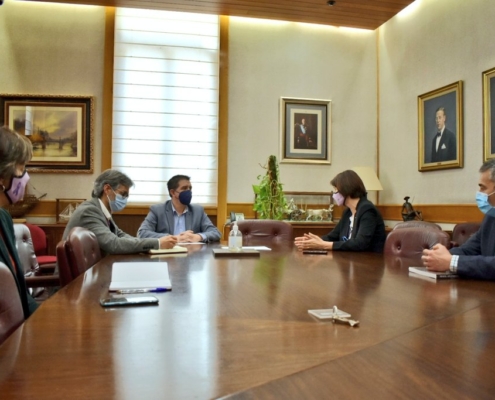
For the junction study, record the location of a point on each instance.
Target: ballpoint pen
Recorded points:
(132, 291)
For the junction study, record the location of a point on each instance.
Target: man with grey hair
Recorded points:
(110, 193)
(476, 257)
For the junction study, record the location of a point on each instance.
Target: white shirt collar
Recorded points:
(105, 210)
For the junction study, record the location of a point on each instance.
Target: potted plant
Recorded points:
(270, 202)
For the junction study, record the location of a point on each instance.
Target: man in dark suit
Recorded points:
(476, 257)
(301, 135)
(444, 145)
(178, 217)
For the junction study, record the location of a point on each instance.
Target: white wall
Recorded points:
(433, 44)
(269, 60)
(51, 49)
(58, 49)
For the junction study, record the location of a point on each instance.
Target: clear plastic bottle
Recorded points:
(235, 238)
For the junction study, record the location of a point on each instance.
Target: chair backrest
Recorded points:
(462, 232)
(265, 231)
(64, 270)
(25, 249)
(83, 250)
(11, 313)
(39, 239)
(410, 242)
(417, 224)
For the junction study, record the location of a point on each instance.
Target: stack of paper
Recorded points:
(140, 275)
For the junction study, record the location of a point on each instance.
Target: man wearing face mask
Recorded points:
(110, 193)
(178, 217)
(476, 257)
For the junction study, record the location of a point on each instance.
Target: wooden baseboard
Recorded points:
(442, 213)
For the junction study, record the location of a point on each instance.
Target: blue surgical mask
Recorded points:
(482, 202)
(185, 197)
(119, 203)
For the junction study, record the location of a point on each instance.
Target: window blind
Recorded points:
(165, 101)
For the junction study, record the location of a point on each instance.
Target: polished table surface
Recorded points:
(240, 328)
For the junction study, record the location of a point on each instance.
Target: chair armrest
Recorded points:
(46, 269)
(42, 281)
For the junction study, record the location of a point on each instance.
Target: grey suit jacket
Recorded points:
(89, 215)
(160, 222)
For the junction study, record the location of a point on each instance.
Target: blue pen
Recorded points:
(132, 291)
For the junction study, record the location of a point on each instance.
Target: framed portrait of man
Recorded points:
(440, 129)
(305, 131)
(488, 114)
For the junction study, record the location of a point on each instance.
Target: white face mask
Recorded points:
(15, 192)
(339, 199)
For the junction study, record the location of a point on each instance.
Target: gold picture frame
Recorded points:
(488, 114)
(59, 127)
(305, 127)
(440, 128)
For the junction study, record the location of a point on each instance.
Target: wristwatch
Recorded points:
(453, 264)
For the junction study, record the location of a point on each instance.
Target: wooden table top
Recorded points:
(240, 328)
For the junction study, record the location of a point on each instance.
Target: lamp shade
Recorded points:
(369, 178)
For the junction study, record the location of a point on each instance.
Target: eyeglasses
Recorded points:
(125, 195)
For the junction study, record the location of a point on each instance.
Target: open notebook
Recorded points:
(175, 249)
(140, 275)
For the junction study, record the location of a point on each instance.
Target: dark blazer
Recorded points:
(477, 255)
(368, 232)
(160, 222)
(447, 148)
(8, 249)
(111, 239)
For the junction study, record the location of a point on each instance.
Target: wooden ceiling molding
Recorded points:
(363, 14)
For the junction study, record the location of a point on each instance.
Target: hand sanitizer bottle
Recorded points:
(235, 238)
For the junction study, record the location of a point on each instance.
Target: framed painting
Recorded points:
(440, 128)
(59, 127)
(305, 131)
(489, 114)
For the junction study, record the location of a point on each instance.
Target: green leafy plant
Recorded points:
(270, 201)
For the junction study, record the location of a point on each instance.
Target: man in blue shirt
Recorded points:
(178, 217)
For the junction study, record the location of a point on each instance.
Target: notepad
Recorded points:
(423, 271)
(259, 248)
(140, 275)
(175, 249)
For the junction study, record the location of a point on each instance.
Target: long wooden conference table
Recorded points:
(240, 328)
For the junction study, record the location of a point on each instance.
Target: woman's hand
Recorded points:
(311, 241)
